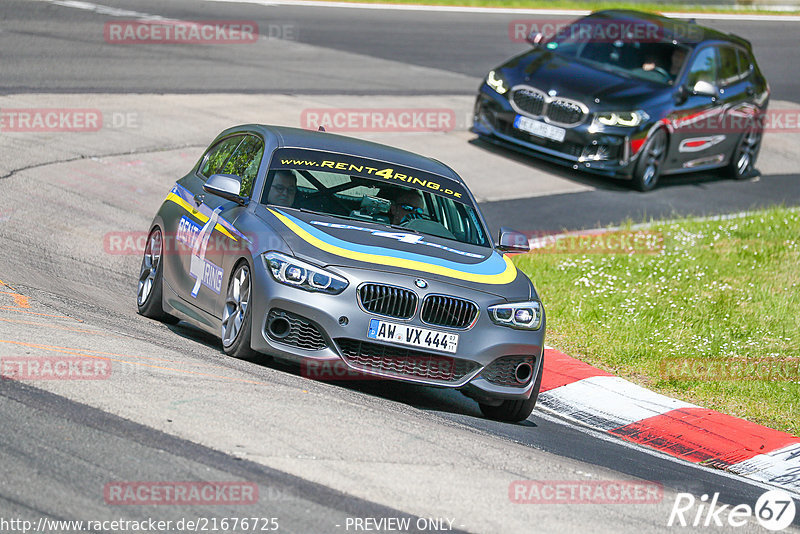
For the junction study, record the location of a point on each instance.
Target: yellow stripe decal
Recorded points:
(507, 276)
(172, 197)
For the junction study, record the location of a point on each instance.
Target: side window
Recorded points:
(744, 63)
(245, 161)
(218, 155)
(704, 67)
(728, 66)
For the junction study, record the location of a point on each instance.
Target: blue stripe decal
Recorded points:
(493, 265)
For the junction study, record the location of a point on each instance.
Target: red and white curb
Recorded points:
(579, 392)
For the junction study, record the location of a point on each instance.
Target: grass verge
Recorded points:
(705, 311)
(594, 6)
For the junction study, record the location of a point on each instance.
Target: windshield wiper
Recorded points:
(405, 229)
(345, 217)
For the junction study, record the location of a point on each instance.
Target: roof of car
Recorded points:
(315, 140)
(683, 31)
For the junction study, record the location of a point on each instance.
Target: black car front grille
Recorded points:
(564, 112)
(501, 371)
(300, 333)
(403, 362)
(529, 101)
(386, 300)
(446, 311)
(557, 110)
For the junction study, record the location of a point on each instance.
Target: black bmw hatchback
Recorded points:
(630, 95)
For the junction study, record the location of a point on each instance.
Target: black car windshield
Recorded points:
(355, 188)
(637, 49)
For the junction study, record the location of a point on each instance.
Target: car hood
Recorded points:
(334, 241)
(570, 78)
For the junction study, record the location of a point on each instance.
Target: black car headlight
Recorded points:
(522, 315)
(496, 82)
(293, 272)
(626, 119)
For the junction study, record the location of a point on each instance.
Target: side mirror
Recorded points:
(535, 38)
(512, 241)
(681, 94)
(226, 186)
(704, 88)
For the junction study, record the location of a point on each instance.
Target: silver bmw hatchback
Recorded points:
(338, 253)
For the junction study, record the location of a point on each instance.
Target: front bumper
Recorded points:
(606, 152)
(330, 331)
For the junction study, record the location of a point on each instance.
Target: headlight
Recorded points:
(523, 315)
(496, 82)
(302, 275)
(621, 118)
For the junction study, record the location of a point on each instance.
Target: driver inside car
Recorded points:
(283, 189)
(406, 206)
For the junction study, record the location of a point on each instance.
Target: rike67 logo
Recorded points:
(774, 510)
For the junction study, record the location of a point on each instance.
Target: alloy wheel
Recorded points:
(236, 303)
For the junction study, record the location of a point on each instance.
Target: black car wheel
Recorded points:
(237, 316)
(514, 411)
(149, 293)
(743, 162)
(648, 167)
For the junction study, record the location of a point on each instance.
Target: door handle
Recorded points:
(199, 198)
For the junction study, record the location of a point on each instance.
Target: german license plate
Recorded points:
(404, 334)
(540, 129)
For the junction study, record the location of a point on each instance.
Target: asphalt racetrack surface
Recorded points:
(325, 457)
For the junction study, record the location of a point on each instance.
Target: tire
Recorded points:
(150, 287)
(651, 158)
(514, 411)
(743, 160)
(237, 315)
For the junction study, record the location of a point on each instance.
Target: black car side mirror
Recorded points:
(704, 88)
(512, 241)
(535, 38)
(226, 186)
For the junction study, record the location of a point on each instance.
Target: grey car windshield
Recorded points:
(639, 50)
(340, 193)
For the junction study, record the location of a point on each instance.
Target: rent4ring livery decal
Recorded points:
(294, 158)
(205, 272)
(196, 237)
(187, 231)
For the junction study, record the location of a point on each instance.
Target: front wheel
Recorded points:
(514, 411)
(151, 274)
(648, 167)
(237, 316)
